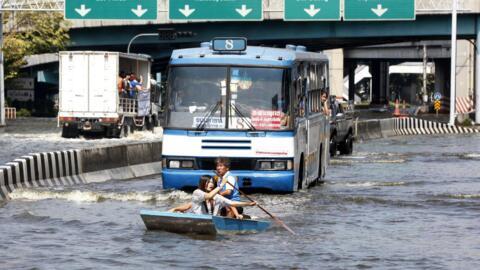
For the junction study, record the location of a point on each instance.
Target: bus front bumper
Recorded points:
(277, 181)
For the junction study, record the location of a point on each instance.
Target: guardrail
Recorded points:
(10, 113)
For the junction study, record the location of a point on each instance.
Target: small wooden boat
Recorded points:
(200, 224)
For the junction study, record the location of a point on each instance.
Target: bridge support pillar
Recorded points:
(380, 82)
(351, 81)
(2, 88)
(442, 77)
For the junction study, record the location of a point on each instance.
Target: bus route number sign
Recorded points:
(229, 44)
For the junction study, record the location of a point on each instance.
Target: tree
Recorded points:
(28, 33)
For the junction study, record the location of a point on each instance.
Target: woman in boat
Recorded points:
(206, 200)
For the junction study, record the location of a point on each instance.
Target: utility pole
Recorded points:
(453, 63)
(2, 85)
(424, 90)
(140, 35)
(477, 77)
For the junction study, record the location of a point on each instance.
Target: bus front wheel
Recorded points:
(300, 174)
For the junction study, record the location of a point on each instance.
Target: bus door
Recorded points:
(312, 125)
(315, 123)
(301, 124)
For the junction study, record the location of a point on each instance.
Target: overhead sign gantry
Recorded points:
(376, 10)
(312, 10)
(220, 10)
(241, 10)
(111, 9)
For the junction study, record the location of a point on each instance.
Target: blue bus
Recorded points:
(258, 106)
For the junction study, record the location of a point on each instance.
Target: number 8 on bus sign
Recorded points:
(229, 44)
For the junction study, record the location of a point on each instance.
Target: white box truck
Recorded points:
(90, 100)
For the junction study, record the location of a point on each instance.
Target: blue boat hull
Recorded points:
(199, 224)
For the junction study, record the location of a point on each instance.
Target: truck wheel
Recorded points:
(70, 131)
(333, 146)
(133, 128)
(300, 175)
(319, 179)
(149, 123)
(155, 121)
(120, 132)
(111, 132)
(347, 146)
(126, 129)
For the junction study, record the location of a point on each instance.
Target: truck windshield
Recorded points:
(239, 98)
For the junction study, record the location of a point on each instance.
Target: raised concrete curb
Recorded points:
(122, 173)
(382, 128)
(81, 166)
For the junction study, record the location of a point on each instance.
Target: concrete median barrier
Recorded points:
(369, 129)
(70, 167)
(383, 128)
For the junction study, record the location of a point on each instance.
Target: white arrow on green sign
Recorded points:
(311, 10)
(369, 10)
(218, 10)
(111, 9)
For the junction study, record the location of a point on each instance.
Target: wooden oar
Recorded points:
(265, 210)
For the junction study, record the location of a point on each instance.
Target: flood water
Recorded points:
(399, 203)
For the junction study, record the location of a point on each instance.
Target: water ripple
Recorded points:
(96, 196)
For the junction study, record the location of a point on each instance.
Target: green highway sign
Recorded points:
(369, 10)
(217, 10)
(111, 9)
(314, 10)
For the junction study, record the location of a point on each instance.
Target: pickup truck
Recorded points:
(341, 127)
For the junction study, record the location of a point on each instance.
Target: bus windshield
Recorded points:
(238, 98)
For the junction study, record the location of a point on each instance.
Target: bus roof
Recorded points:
(258, 56)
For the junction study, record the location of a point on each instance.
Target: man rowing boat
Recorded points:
(206, 200)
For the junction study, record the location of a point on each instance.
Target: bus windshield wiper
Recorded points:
(208, 115)
(242, 116)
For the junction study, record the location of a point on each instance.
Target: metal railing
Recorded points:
(10, 113)
(445, 6)
(128, 106)
(32, 5)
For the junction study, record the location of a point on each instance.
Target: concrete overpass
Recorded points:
(437, 53)
(431, 27)
(433, 22)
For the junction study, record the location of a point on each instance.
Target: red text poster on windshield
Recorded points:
(263, 119)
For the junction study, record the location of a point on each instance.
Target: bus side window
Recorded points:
(299, 108)
(301, 97)
(314, 91)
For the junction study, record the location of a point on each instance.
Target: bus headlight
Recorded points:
(180, 164)
(279, 165)
(275, 165)
(187, 164)
(174, 164)
(265, 165)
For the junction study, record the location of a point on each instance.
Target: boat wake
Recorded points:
(96, 196)
(374, 184)
(460, 196)
(346, 161)
(474, 156)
